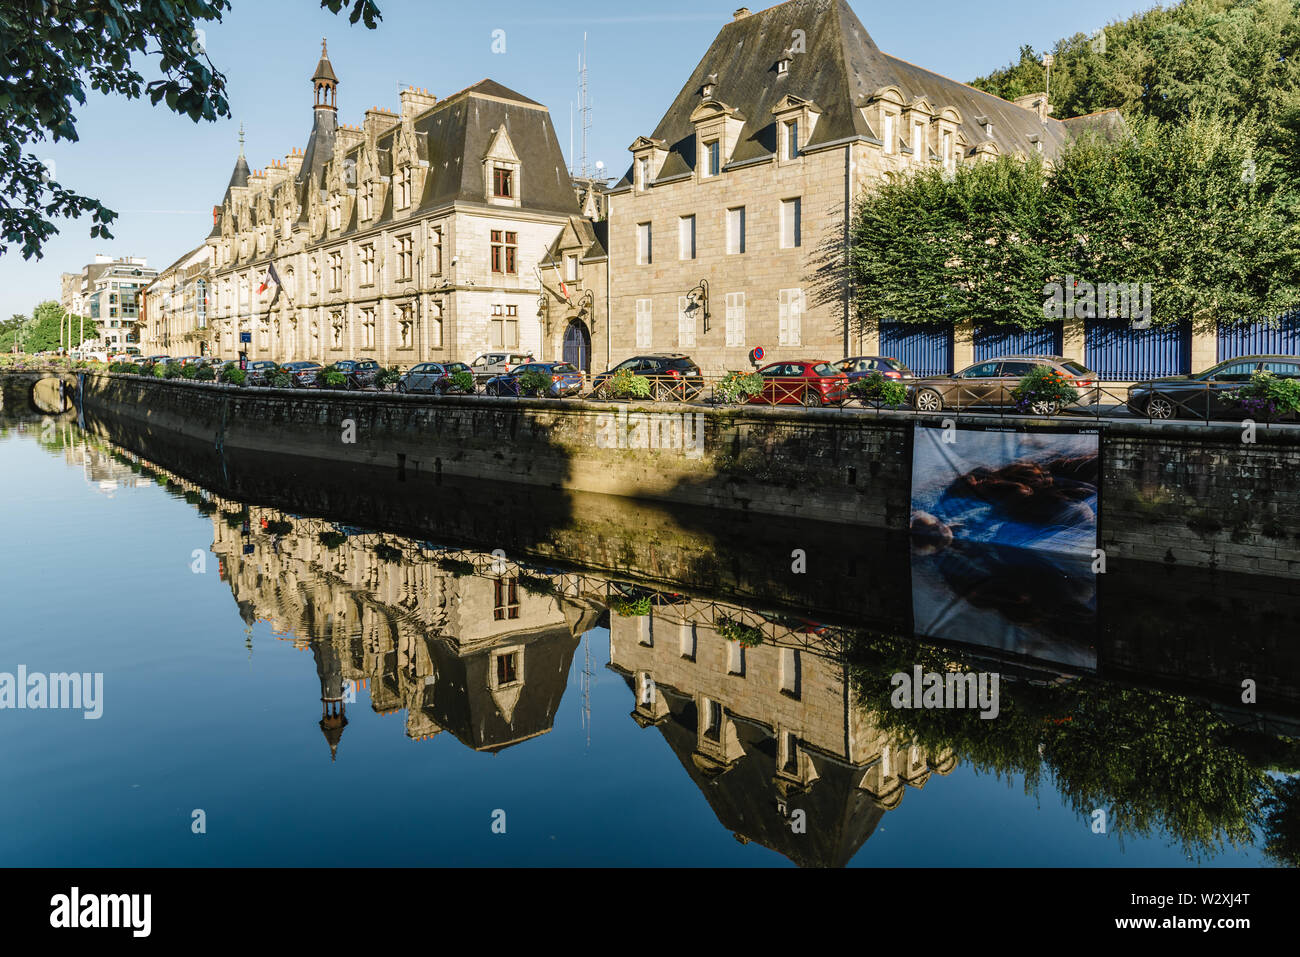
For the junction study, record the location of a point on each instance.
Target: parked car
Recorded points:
(432, 377)
(989, 384)
(259, 371)
(810, 382)
(566, 379)
(497, 363)
(139, 360)
(189, 360)
(361, 373)
(154, 360)
(304, 373)
(672, 376)
(860, 367)
(1205, 395)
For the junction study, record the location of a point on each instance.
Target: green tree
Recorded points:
(50, 52)
(1195, 209)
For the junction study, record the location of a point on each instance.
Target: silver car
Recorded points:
(497, 363)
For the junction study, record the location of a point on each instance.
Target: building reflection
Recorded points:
(453, 639)
(760, 715)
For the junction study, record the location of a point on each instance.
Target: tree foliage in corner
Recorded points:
(1193, 209)
(1238, 59)
(51, 51)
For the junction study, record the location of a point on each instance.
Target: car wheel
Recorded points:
(812, 399)
(927, 400)
(1159, 407)
(1044, 407)
(659, 392)
(401, 387)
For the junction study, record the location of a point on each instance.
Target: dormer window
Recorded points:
(643, 172)
(367, 201)
(402, 188)
(503, 183)
(710, 84)
(783, 64)
(792, 139)
(712, 158)
(888, 134)
(918, 142)
(1037, 141)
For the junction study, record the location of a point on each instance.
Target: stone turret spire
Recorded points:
(324, 82)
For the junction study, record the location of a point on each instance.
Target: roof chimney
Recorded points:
(740, 14)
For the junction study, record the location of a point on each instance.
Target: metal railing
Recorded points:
(1204, 402)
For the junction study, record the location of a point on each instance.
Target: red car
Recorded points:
(810, 382)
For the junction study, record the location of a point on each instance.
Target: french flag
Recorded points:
(272, 278)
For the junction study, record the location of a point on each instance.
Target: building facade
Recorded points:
(174, 307)
(723, 229)
(416, 236)
(109, 291)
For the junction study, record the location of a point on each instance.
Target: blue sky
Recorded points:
(163, 173)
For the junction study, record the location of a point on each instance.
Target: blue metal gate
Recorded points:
(1261, 338)
(993, 340)
(925, 348)
(1119, 353)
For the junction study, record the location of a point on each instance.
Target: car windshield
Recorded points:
(1076, 368)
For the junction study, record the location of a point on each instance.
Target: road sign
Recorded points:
(246, 337)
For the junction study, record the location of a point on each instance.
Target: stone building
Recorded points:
(414, 236)
(174, 307)
(718, 232)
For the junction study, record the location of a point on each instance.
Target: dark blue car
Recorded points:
(566, 379)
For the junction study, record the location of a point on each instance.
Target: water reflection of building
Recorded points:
(99, 467)
(767, 731)
(460, 645)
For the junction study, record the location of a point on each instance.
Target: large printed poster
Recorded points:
(1004, 528)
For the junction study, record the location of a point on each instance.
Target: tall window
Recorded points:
(790, 317)
(643, 323)
(508, 665)
(643, 172)
(435, 251)
(571, 268)
(712, 158)
(505, 248)
(367, 202)
(685, 322)
(945, 147)
(504, 327)
(888, 134)
(791, 223)
(435, 325)
(792, 139)
(644, 254)
(402, 188)
(502, 182)
(735, 320)
(368, 264)
(686, 237)
(791, 672)
(368, 328)
(405, 256)
(736, 230)
(336, 271)
(918, 142)
(336, 213)
(505, 607)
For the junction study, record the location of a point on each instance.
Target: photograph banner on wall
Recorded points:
(1004, 528)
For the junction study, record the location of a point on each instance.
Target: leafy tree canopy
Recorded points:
(51, 51)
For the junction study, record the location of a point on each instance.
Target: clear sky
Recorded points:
(163, 173)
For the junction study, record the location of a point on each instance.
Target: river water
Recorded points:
(297, 669)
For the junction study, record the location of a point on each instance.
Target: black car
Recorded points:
(1207, 395)
(304, 373)
(434, 378)
(672, 376)
(360, 373)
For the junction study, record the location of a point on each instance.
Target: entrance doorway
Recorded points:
(577, 345)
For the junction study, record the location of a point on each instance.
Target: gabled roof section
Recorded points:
(840, 69)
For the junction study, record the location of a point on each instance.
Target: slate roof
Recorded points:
(239, 177)
(840, 69)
